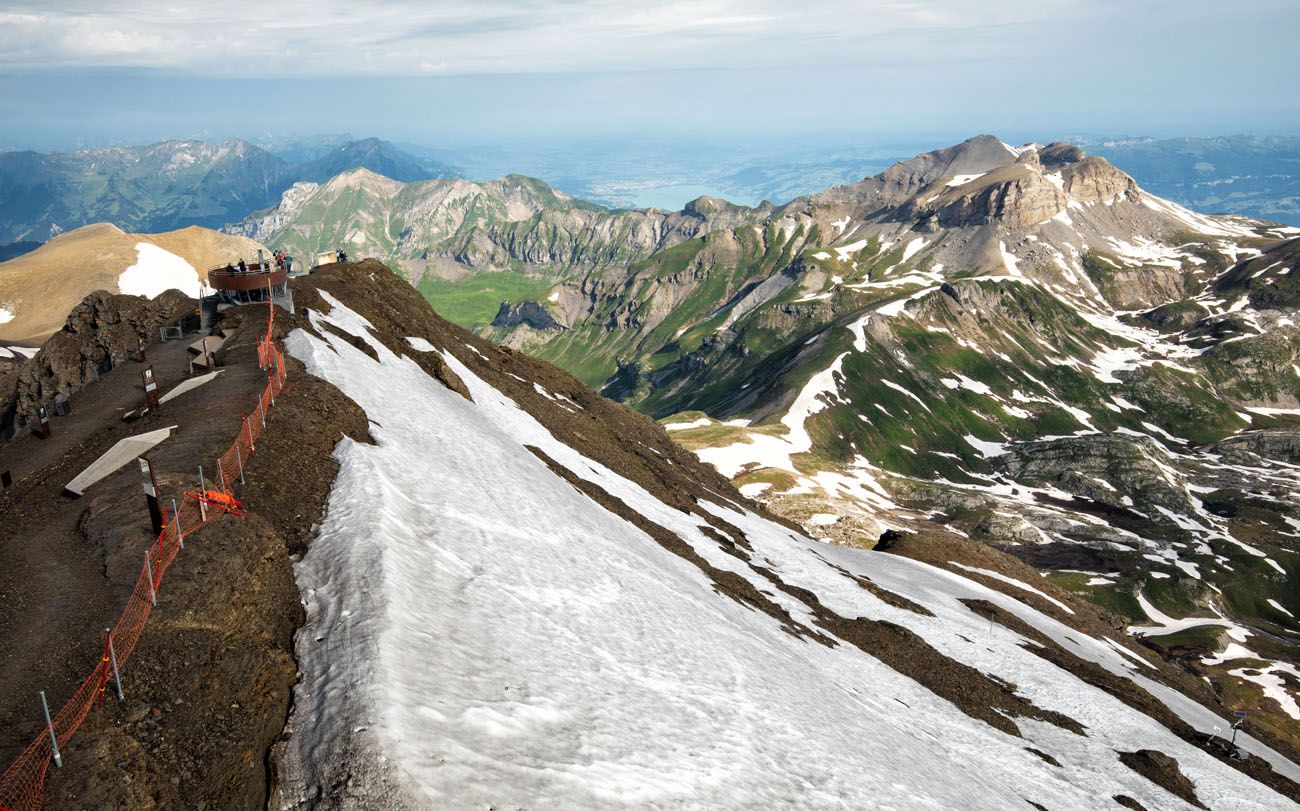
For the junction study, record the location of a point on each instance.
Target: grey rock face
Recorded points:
(102, 331)
(525, 313)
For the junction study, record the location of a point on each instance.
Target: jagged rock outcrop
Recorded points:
(494, 225)
(525, 313)
(1100, 467)
(101, 332)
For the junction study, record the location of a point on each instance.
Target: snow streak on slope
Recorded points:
(481, 633)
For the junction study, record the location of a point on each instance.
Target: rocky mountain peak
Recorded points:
(363, 178)
(704, 205)
(1057, 154)
(983, 153)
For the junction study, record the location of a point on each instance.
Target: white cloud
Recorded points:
(409, 37)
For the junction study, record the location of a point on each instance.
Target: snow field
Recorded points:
(480, 632)
(156, 271)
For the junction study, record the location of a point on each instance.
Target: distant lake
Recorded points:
(669, 198)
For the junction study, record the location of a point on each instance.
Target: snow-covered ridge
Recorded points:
(480, 632)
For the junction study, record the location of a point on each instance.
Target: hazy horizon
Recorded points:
(496, 72)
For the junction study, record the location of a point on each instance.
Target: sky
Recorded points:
(450, 72)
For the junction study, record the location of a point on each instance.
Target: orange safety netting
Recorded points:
(22, 784)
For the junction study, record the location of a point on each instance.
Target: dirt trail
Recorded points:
(208, 687)
(67, 565)
(102, 403)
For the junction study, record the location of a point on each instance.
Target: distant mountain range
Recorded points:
(1019, 343)
(1015, 345)
(170, 185)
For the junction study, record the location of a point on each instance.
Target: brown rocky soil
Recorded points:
(1162, 770)
(208, 687)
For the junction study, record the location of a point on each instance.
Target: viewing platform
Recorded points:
(246, 283)
(258, 276)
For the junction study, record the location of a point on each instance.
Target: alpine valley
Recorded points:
(1016, 346)
(972, 484)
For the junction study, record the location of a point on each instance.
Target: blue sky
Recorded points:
(453, 72)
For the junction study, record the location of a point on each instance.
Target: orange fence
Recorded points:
(22, 784)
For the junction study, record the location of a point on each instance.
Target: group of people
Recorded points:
(282, 261)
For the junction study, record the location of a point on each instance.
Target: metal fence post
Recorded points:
(54, 741)
(249, 430)
(239, 457)
(112, 657)
(180, 536)
(148, 565)
(203, 494)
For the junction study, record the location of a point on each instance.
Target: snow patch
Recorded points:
(157, 271)
(686, 426)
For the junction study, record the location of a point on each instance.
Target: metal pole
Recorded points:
(247, 428)
(203, 493)
(148, 565)
(261, 413)
(239, 457)
(112, 657)
(180, 536)
(54, 742)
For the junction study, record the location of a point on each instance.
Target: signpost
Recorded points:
(150, 485)
(1240, 715)
(150, 388)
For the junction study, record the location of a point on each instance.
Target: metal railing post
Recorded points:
(148, 565)
(203, 494)
(49, 724)
(176, 514)
(112, 657)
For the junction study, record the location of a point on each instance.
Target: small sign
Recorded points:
(1240, 714)
(150, 388)
(147, 474)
